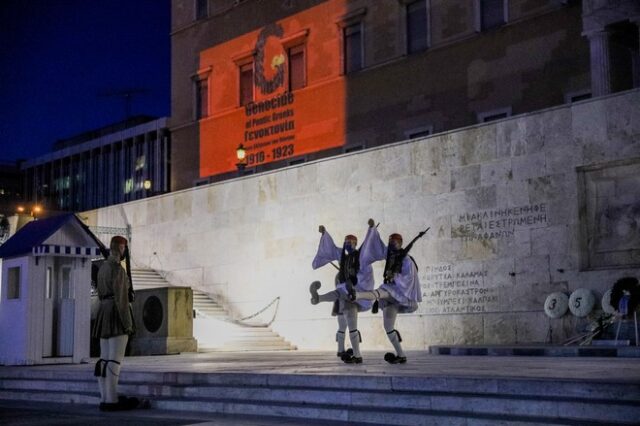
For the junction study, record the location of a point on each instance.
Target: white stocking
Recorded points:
(104, 355)
(115, 348)
(342, 326)
(350, 312)
(331, 296)
(316, 298)
(389, 313)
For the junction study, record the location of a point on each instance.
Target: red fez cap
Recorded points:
(350, 237)
(397, 237)
(118, 240)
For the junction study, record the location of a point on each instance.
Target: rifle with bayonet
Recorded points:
(393, 264)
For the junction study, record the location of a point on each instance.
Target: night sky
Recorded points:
(63, 63)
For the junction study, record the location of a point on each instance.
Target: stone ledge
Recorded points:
(538, 350)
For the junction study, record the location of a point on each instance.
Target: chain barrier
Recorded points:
(275, 312)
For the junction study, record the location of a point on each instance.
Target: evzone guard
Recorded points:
(114, 325)
(353, 276)
(400, 292)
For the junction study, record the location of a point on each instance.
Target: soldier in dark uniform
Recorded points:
(113, 326)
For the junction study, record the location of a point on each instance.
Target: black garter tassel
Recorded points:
(99, 370)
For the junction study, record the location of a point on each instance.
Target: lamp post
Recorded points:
(241, 155)
(35, 210)
(147, 187)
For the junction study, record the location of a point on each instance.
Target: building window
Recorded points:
(201, 182)
(578, 96)
(496, 114)
(67, 287)
(202, 98)
(419, 132)
(353, 47)
(353, 148)
(417, 26)
(624, 62)
(300, 160)
(297, 74)
(246, 83)
(202, 9)
(13, 283)
(492, 13)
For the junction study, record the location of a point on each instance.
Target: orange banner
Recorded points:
(279, 123)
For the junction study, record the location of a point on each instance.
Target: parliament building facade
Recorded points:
(291, 81)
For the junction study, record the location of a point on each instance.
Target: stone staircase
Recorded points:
(212, 325)
(361, 399)
(147, 278)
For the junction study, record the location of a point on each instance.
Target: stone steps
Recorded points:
(243, 347)
(256, 339)
(364, 399)
(145, 279)
(207, 307)
(212, 313)
(258, 331)
(219, 334)
(208, 314)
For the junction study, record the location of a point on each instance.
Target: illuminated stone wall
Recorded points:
(510, 205)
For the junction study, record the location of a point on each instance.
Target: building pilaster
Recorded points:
(636, 57)
(600, 63)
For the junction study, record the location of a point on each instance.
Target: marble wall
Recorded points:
(503, 201)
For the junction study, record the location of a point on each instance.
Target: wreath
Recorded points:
(625, 285)
(266, 85)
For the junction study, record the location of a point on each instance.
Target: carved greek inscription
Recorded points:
(450, 291)
(497, 223)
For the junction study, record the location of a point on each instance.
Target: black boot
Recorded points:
(114, 406)
(343, 353)
(350, 359)
(313, 289)
(394, 359)
(124, 404)
(129, 401)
